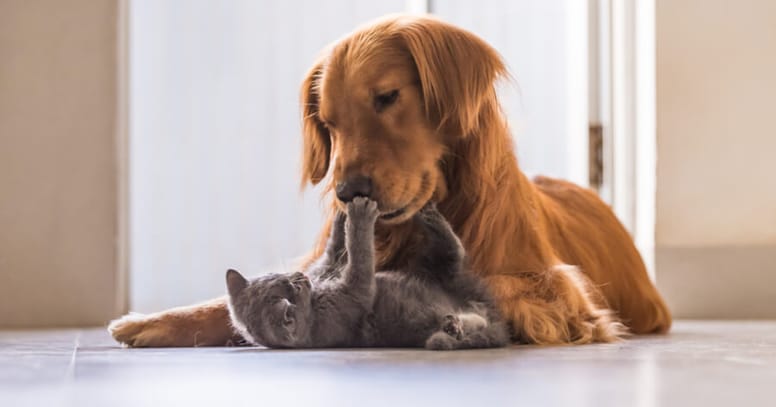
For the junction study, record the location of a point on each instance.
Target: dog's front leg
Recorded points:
(555, 306)
(205, 324)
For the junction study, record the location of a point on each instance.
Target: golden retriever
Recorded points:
(404, 111)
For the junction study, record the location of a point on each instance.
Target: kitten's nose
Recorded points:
(352, 187)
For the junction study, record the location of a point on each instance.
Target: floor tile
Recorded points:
(700, 362)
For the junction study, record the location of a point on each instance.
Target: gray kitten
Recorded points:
(434, 302)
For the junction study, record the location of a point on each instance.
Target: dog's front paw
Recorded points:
(138, 330)
(362, 209)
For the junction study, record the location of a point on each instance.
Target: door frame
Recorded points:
(622, 104)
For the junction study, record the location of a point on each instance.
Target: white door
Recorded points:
(544, 44)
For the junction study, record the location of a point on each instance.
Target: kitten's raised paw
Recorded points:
(429, 207)
(362, 208)
(452, 326)
(430, 211)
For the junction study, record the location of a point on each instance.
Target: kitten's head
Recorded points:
(272, 310)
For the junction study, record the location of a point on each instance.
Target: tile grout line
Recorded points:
(70, 373)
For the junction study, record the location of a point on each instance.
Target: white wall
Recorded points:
(544, 44)
(716, 140)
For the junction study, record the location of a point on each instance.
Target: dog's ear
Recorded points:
(457, 71)
(316, 149)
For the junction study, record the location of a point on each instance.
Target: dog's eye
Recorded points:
(386, 99)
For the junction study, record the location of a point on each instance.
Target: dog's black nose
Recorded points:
(353, 187)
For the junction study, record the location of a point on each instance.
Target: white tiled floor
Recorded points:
(699, 363)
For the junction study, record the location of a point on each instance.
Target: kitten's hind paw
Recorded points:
(452, 326)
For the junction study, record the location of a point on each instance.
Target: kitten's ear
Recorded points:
(235, 282)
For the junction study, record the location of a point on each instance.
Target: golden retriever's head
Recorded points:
(383, 106)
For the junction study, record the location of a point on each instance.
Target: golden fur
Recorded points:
(561, 266)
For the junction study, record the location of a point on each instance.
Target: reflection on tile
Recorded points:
(713, 363)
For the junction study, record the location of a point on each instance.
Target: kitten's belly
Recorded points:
(406, 312)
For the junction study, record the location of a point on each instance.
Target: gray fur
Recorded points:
(340, 301)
